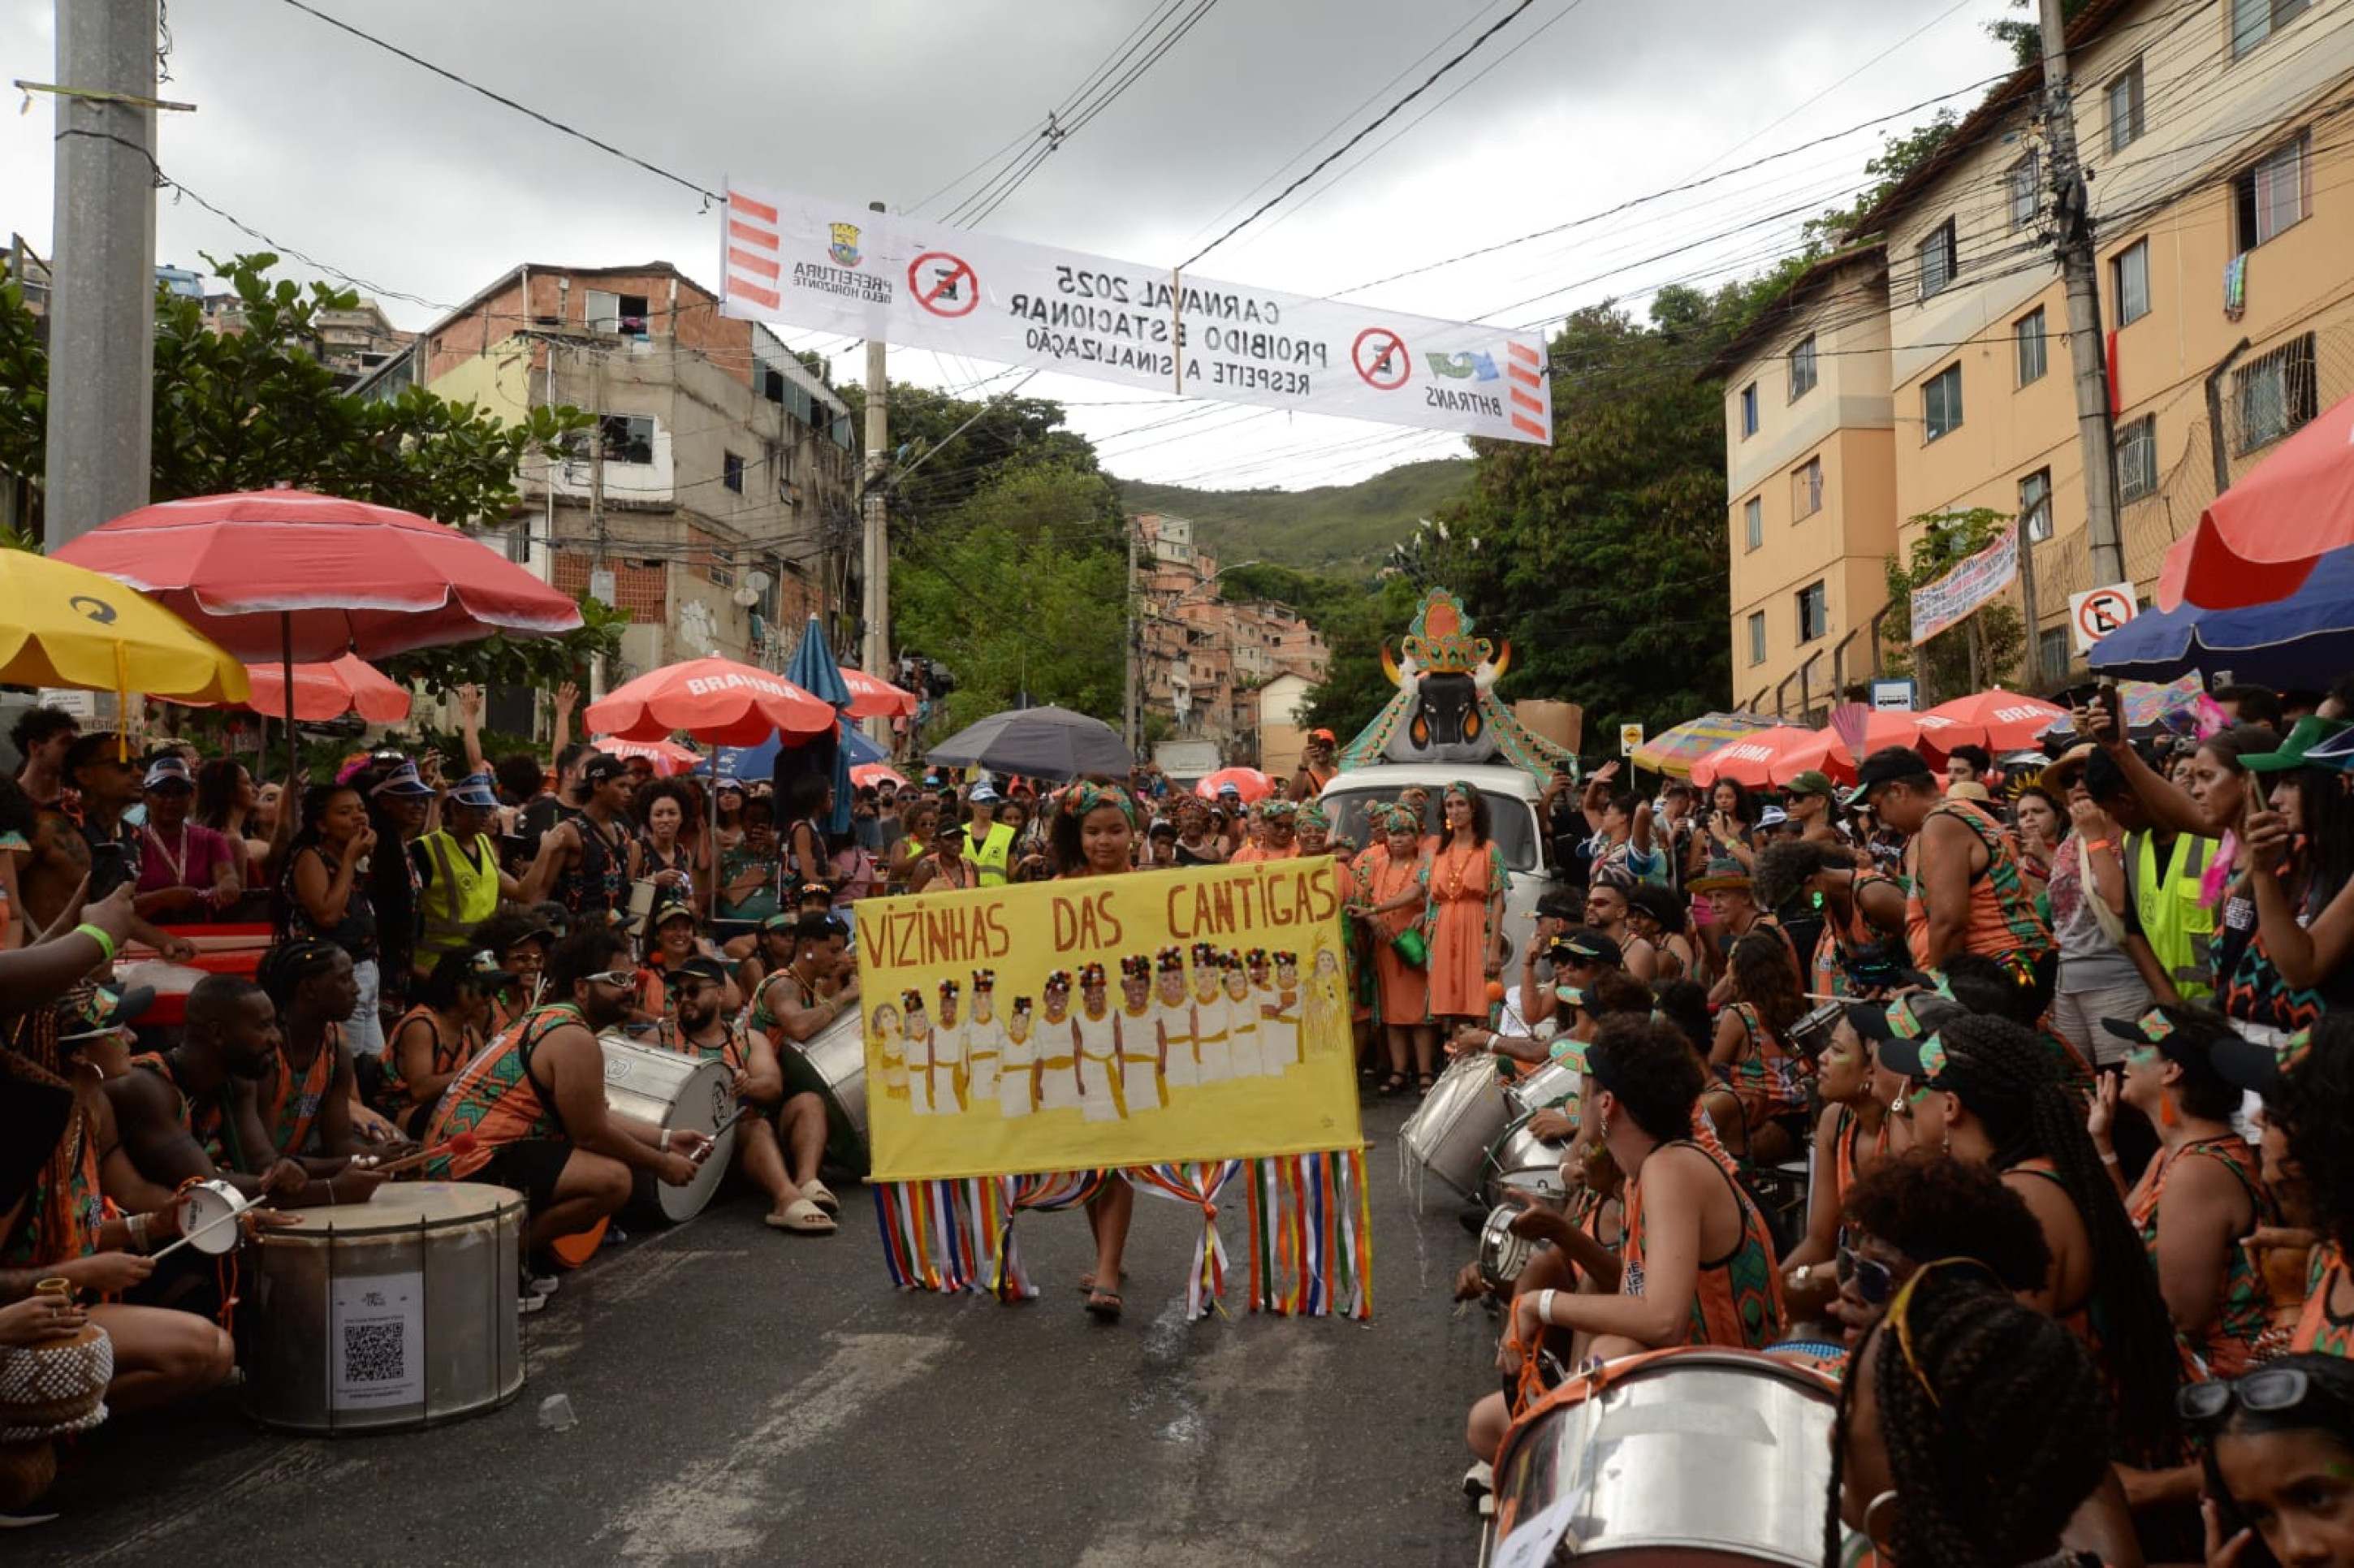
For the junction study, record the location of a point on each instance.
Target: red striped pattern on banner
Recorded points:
(751, 229)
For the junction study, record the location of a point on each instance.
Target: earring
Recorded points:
(1873, 1508)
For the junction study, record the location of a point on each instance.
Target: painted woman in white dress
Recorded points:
(1056, 1072)
(1286, 1020)
(1172, 1013)
(918, 1054)
(1017, 1083)
(1099, 1097)
(1209, 1016)
(1243, 1022)
(1278, 1037)
(984, 1040)
(948, 1053)
(1139, 1037)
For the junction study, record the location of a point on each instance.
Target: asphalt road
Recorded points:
(743, 1397)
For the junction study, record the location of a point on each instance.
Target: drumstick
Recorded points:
(213, 1224)
(456, 1144)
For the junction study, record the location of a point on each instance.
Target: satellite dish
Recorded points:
(757, 581)
(747, 596)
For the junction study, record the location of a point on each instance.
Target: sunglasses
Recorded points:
(2272, 1389)
(1875, 1282)
(623, 978)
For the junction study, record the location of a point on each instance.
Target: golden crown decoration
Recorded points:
(1440, 639)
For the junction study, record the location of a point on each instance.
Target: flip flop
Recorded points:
(1103, 1306)
(803, 1218)
(1088, 1281)
(821, 1194)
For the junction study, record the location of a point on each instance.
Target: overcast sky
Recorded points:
(374, 166)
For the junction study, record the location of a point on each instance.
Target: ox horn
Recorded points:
(1488, 673)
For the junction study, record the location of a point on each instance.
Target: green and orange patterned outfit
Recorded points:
(294, 1110)
(2003, 922)
(1737, 1299)
(2244, 1311)
(2320, 1328)
(495, 1098)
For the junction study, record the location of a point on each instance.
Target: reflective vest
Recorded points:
(2178, 925)
(461, 896)
(992, 853)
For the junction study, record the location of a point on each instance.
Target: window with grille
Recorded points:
(1807, 489)
(2276, 194)
(1753, 517)
(1758, 637)
(2138, 458)
(2125, 108)
(2034, 347)
(1938, 259)
(731, 472)
(1814, 613)
(2275, 394)
(2051, 643)
(2035, 504)
(2253, 21)
(2026, 190)
(1802, 369)
(2129, 283)
(1749, 410)
(1941, 403)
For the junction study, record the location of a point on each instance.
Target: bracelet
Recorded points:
(2109, 1159)
(1544, 1309)
(105, 943)
(137, 1226)
(2097, 844)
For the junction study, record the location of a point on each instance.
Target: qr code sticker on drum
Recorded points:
(377, 1337)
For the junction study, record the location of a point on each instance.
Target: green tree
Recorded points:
(2026, 36)
(1980, 650)
(250, 409)
(950, 449)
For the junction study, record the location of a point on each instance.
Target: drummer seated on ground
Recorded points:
(535, 1102)
(779, 1145)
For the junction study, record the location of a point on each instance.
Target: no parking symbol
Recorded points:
(2096, 612)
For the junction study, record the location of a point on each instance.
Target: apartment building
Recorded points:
(1204, 658)
(2216, 136)
(714, 499)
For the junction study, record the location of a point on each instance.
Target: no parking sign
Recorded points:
(2096, 612)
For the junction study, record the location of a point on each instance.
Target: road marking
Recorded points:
(715, 1509)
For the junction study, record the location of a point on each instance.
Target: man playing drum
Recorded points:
(779, 1143)
(534, 1101)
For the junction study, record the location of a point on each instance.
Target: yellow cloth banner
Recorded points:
(1200, 1014)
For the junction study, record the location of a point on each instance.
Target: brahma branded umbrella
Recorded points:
(717, 700)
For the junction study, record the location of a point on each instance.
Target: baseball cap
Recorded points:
(1772, 817)
(475, 789)
(1587, 946)
(484, 969)
(983, 795)
(404, 782)
(2336, 751)
(98, 1012)
(2309, 732)
(2177, 1035)
(1813, 781)
(2255, 1066)
(1907, 1019)
(1325, 735)
(1230, 788)
(168, 773)
(1886, 765)
(700, 968)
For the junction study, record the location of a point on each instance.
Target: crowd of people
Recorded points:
(2061, 1039)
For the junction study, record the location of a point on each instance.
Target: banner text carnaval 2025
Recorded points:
(1216, 1026)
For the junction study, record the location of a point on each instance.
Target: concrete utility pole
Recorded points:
(875, 554)
(102, 281)
(2072, 211)
(1128, 716)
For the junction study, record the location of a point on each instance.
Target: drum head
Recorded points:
(204, 1210)
(407, 1206)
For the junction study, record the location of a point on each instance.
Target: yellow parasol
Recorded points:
(63, 625)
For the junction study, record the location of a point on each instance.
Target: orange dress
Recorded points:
(1404, 989)
(1461, 880)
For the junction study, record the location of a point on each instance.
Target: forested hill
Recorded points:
(1343, 529)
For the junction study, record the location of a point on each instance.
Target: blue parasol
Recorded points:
(812, 669)
(2301, 641)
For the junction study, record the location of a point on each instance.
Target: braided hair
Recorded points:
(1993, 1418)
(284, 968)
(2009, 1083)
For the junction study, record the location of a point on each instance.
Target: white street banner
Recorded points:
(837, 266)
(1972, 582)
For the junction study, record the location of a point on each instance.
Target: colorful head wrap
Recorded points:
(1459, 786)
(1313, 815)
(1279, 810)
(1086, 795)
(1173, 960)
(1134, 966)
(1402, 819)
(911, 999)
(1286, 961)
(984, 980)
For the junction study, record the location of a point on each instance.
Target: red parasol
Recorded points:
(2259, 540)
(1760, 758)
(1249, 783)
(717, 700)
(866, 773)
(669, 758)
(1997, 720)
(874, 697)
(346, 686)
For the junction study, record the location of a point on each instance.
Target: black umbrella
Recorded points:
(1042, 743)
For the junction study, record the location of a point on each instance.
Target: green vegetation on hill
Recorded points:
(1346, 529)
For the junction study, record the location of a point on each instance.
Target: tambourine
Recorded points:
(204, 1210)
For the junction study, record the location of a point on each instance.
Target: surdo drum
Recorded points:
(1449, 1134)
(672, 1089)
(398, 1312)
(834, 1066)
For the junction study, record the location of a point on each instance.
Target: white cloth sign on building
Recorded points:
(837, 266)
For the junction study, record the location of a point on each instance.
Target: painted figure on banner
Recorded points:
(1059, 1048)
(1172, 1010)
(1276, 1043)
(1017, 1077)
(922, 1079)
(1243, 1022)
(1328, 1001)
(1210, 1049)
(1285, 1019)
(1098, 1062)
(891, 1050)
(985, 1042)
(948, 1053)
(1138, 1033)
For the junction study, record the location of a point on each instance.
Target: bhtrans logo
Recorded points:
(704, 686)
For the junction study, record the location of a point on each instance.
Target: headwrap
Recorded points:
(1172, 960)
(911, 999)
(1313, 815)
(1058, 980)
(1279, 810)
(1086, 795)
(1459, 786)
(1402, 819)
(1090, 975)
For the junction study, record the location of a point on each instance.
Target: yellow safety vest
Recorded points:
(2178, 927)
(460, 897)
(992, 853)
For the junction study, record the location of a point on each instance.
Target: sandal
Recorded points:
(1391, 1085)
(802, 1218)
(1423, 1084)
(1088, 1281)
(818, 1192)
(1103, 1306)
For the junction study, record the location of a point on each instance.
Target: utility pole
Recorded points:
(875, 555)
(2072, 211)
(1129, 725)
(102, 277)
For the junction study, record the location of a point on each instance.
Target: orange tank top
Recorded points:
(2320, 1328)
(496, 1099)
(2003, 920)
(1737, 1298)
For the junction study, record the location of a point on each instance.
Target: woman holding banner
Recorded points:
(1093, 834)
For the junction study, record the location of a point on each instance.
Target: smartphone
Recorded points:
(2107, 687)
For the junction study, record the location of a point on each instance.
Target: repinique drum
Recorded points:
(1502, 1254)
(1554, 1087)
(208, 1216)
(1694, 1455)
(834, 1065)
(395, 1313)
(1522, 1160)
(672, 1089)
(1449, 1134)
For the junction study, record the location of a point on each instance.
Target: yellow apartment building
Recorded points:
(2221, 148)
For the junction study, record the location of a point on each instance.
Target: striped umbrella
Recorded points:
(1673, 751)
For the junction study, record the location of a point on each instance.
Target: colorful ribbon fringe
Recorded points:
(1310, 1231)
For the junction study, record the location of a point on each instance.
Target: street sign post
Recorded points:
(1630, 736)
(2096, 612)
(1894, 696)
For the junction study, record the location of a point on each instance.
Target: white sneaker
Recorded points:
(1480, 1479)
